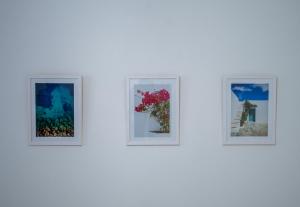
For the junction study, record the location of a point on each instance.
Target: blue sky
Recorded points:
(259, 92)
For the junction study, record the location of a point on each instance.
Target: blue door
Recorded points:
(252, 114)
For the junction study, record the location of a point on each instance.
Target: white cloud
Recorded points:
(241, 88)
(264, 87)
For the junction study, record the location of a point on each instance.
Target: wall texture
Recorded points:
(104, 41)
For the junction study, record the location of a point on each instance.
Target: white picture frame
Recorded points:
(157, 121)
(249, 109)
(55, 103)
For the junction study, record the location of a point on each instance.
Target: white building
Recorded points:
(257, 114)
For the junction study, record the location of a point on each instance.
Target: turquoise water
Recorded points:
(54, 109)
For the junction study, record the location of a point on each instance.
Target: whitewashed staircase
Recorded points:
(235, 125)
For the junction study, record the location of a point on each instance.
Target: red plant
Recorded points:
(152, 98)
(158, 104)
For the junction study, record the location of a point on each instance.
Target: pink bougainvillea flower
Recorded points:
(156, 97)
(157, 103)
(140, 108)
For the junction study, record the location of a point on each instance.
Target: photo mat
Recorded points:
(153, 110)
(249, 109)
(55, 110)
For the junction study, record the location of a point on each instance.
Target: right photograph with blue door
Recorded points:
(249, 109)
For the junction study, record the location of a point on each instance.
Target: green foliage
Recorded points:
(161, 112)
(247, 106)
(243, 118)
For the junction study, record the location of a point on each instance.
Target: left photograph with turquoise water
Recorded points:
(54, 106)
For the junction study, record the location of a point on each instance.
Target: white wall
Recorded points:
(106, 40)
(261, 111)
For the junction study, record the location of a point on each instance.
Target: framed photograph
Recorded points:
(55, 110)
(249, 109)
(153, 110)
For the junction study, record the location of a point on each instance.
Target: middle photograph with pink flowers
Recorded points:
(153, 113)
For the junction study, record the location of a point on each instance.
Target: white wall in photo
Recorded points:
(261, 115)
(261, 111)
(104, 42)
